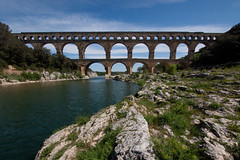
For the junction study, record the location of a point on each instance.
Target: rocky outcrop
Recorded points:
(206, 105)
(133, 141)
(91, 74)
(45, 76)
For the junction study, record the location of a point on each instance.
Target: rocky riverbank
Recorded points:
(189, 115)
(11, 76)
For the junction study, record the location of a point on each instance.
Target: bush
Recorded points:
(103, 149)
(171, 69)
(141, 82)
(81, 120)
(72, 137)
(79, 74)
(31, 76)
(215, 105)
(159, 68)
(170, 148)
(178, 117)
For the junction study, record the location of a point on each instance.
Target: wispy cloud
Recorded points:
(85, 22)
(148, 3)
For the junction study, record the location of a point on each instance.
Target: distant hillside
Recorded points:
(225, 50)
(16, 53)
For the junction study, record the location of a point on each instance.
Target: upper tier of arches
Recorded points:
(118, 36)
(128, 40)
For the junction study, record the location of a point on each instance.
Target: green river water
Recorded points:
(29, 113)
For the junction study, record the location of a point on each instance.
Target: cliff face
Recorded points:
(190, 115)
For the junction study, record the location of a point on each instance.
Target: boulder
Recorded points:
(92, 74)
(133, 141)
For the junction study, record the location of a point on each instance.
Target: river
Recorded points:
(29, 113)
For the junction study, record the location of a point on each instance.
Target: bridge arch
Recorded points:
(140, 51)
(29, 45)
(118, 67)
(138, 64)
(70, 50)
(199, 46)
(51, 47)
(94, 51)
(96, 66)
(162, 51)
(119, 51)
(182, 50)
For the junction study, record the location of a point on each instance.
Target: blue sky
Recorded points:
(120, 15)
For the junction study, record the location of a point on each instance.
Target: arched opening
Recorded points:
(155, 38)
(95, 51)
(71, 51)
(96, 67)
(199, 47)
(182, 51)
(162, 51)
(139, 67)
(51, 47)
(119, 51)
(140, 51)
(118, 68)
(29, 45)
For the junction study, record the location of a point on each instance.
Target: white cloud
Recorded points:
(71, 49)
(118, 57)
(119, 51)
(58, 22)
(162, 48)
(148, 3)
(95, 56)
(140, 48)
(182, 48)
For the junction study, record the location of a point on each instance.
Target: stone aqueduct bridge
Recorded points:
(129, 39)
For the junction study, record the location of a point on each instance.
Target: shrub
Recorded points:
(79, 74)
(121, 115)
(72, 137)
(140, 82)
(47, 151)
(170, 148)
(178, 117)
(103, 149)
(171, 69)
(81, 120)
(31, 76)
(160, 68)
(215, 105)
